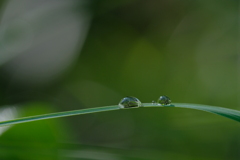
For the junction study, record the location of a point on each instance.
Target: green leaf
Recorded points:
(229, 113)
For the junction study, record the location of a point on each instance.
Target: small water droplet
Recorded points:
(129, 102)
(164, 100)
(153, 102)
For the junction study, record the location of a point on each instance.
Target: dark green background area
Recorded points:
(187, 50)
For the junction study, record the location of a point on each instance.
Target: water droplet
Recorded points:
(153, 102)
(164, 100)
(129, 102)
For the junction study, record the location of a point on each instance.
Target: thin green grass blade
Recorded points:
(58, 114)
(225, 112)
(229, 113)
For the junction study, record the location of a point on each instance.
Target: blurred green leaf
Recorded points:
(38, 140)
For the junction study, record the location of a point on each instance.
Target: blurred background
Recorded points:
(60, 55)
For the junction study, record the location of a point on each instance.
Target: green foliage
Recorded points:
(38, 139)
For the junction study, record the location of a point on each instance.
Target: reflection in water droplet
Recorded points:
(129, 102)
(164, 100)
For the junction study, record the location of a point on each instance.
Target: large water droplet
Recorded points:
(129, 102)
(164, 100)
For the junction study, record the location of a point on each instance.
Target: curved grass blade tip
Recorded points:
(225, 112)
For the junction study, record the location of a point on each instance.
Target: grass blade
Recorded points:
(229, 113)
(58, 114)
(225, 112)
